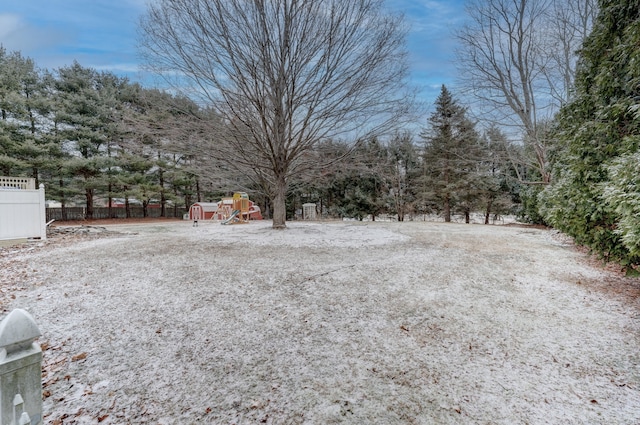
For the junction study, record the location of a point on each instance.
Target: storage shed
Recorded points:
(203, 210)
(309, 211)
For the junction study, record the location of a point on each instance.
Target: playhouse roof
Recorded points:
(207, 206)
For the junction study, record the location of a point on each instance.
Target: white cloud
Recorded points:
(117, 68)
(17, 35)
(9, 24)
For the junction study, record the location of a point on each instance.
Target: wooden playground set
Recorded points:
(235, 210)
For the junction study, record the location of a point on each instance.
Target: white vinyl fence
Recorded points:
(22, 209)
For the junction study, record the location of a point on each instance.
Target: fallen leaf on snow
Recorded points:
(80, 356)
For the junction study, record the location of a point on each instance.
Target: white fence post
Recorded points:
(20, 370)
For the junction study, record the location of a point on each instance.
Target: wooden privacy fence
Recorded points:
(22, 209)
(80, 213)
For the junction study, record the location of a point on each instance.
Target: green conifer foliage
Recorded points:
(596, 178)
(451, 158)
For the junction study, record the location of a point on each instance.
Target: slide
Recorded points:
(234, 214)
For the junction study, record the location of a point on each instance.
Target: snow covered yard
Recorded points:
(353, 323)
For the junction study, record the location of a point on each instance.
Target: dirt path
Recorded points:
(378, 323)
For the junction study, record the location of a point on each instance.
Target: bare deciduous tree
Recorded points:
(569, 21)
(518, 58)
(283, 75)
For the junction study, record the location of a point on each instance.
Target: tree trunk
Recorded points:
(279, 204)
(268, 210)
(36, 175)
(175, 204)
(63, 200)
(110, 200)
(487, 212)
(89, 196)
(399, 206)
(127, 206)
(163, 197)
(187, 200)
(467, 217)
(447, 210)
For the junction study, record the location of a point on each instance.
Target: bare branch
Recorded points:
(283, 75)
(518, 58)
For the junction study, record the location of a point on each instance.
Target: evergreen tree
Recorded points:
(89, 127)
(495, 186)
(451, 156)
(363, 184)
(11, 160)
(23, 147)
(403, 170)
(94, 136)
(599, 136)
(325, 185)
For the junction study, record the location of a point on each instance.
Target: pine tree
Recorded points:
(87, 106)
(11, 138)
(23, 147)
(450, 158)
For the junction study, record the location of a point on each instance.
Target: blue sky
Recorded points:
(101, 34)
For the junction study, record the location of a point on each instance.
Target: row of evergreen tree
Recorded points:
(92, 137)
(451, 169)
